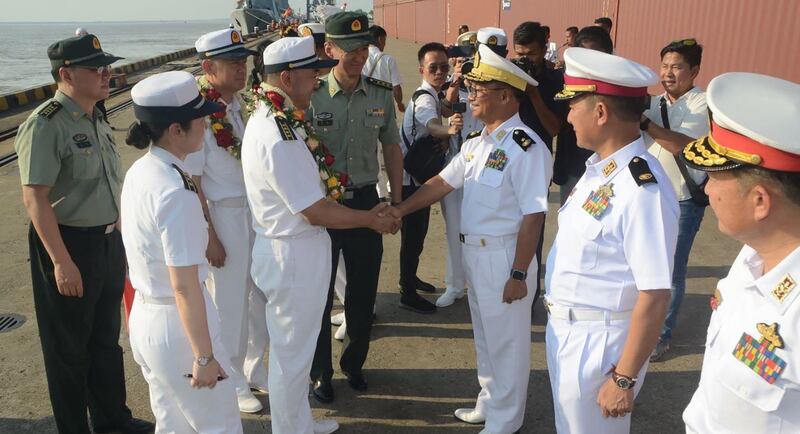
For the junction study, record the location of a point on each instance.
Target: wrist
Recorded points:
(644, 124)
(624, 382)
(518, 274)
(203, 361)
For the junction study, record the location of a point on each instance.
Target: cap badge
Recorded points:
(356, 26)
(306, 31)
(783, 288)
(609, 168)
(96, 43)
(492, 40)
(599, 200)
(236, 38)
(473, 39)
(759, 354)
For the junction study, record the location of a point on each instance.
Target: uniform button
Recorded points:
(351, 121)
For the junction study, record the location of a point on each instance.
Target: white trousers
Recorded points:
(231, 285)
(580, 354)
(161, 348)
(454, 277)
(257, 340)
(502, 334)
(293, 274)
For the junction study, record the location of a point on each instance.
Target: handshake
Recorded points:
(385, 219)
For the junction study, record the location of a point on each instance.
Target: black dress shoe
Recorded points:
(356, 381)
(132, 426)
(412, 301)
(323, 391)
(425, 286)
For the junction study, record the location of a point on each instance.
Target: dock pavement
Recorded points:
(420, 367)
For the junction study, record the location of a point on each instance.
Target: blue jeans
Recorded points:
(688, 225)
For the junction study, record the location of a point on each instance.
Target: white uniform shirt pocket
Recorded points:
(590, 230)
(488, 187)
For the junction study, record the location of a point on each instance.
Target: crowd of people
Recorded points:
(252, 209)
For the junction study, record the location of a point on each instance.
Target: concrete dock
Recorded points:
(420, 367)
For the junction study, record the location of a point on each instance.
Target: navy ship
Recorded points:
(252, 14)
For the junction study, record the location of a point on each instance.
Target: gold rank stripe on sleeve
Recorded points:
(380, 83)
(641, 172)
(287, 133)
(188, 183)
(50, 109)
(473, 134)
(523, 139)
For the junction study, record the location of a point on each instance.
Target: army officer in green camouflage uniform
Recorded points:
(352, 113)
(71, 177)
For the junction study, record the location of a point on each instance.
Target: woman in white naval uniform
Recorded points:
(292, 252)
(174, 327)
(504, 173)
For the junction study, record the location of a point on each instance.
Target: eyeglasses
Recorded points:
(474, 91)
(433, 67)
(685, 42)
(99, 70)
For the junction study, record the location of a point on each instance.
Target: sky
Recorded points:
(131, 10)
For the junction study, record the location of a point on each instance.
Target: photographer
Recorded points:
(421, 122)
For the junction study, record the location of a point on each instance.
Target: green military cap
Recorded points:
(348, 30)
(79, 51)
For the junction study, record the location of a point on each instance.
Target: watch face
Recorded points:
(623, 383)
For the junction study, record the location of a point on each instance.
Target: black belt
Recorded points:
(107, 228)
(351, 192)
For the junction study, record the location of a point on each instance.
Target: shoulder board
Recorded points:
(523, 139)
(380, 83)
(188, 182)
(641, 172)
(474, 134)
(50, 109)
(287, 133)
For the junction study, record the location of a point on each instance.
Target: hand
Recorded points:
(215, 252)
(514, 290)
(206, 376)
(456, 124)
(383, 220)
(613, 401)
(68, 279)
(401, 107)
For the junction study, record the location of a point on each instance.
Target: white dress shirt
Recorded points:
(688, 115)
(382, 66)
(281, 178)
(221, 173)
(736, 398)
(496, 200)
(162, 223)
(602, 262)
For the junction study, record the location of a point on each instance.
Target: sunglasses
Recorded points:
(99, 70)
(685, 42)
(433, 67)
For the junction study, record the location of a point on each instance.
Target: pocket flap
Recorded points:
(746, 384)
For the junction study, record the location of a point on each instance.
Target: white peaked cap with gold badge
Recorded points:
(293, 53)
(754, 120)
(591, 71)
(310, 29)
(492, 36)
(222, 44)
(490, 66)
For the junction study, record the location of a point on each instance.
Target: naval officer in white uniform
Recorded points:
(292, 252)
(217, 172)
(609, 270)
(750, 381)
(504, 172)
(174, 327)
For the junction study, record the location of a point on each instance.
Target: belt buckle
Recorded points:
(348, 194)
(483, 242)
(110, 228)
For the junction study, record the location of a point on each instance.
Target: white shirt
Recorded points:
(162, 223)
(552, 52)
(732, 397)
(427, 109)
(382, 66)
(602, 262)
(221, 173)
(496, 200)
(687, 115)
(281, 177)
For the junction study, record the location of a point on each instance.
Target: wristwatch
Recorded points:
(518, 274)
(203, 361)
(623, 381)
(645, 124)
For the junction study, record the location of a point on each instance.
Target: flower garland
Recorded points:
(222, 129)
(274, 99)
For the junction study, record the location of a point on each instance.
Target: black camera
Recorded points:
(460, 51)
(459, 107)
(467, 66)
(524, 64)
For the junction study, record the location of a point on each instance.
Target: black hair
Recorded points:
(257, 73)
(142, 134)
(625, 108)
(427, 48)
(604, 22)
(528, 33)
(463, 26)
(595, 36)
(377, 31)
(689, 49)
(546, 30)
(787, 182)
(572, 29)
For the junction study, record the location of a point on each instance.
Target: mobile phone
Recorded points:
(219, 377)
